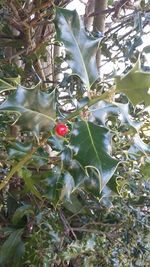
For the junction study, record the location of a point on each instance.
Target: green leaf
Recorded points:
(80, 46)
(74, 205)
(78, 173)
(14, 81)
(19, 149)
(145, 170)
(139, 146)
(9, 249)
(26, 176)
(5, 86)
(91, 144)
(146, 49)
(21, 212)
(104, 109)
(53, 185)
(68, 186)
(36, 108)
(135, 84)
(59, 186)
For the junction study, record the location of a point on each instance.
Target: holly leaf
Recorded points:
(10, 251)
(91, 145)
(20, 212)
(36, 109)
(145, 170)
(135, 84)
(139, 146)
(18, 149)
(5, 86)
(67, 185)
(80, 46)
(103, 109)
(59, 186)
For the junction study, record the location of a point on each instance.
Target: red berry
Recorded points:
(61, 129)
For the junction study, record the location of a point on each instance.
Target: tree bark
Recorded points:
(99, 23)
(88, 20)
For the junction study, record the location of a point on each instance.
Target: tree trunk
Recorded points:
(88, 20)
(99, 23)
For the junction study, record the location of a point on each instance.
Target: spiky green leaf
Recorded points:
(135, 84)
(91, 144)
(36, 109)
(80, 46)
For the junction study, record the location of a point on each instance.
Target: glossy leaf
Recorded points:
(78, 172)
(104, 109)
(68, 186)
(59, 186)
(10, 248)
(26, 175)
(74, 205)
(139, 146)
(135, 84)
(36, 108)
(91, 145)
(19, 149)
(80, 47)
(21, 212)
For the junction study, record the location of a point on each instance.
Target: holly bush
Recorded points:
(75, 159)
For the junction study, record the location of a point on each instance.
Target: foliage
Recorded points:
(81, 199)
(135, 84)
(75, 38)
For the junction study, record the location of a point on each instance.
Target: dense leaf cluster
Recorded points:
(81, 199)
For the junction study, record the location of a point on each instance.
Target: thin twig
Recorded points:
(66, 224)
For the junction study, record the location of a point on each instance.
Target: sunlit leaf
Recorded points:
(92, 145)
(139, 146)
(59, 185)
(36, 108)
(68, 186)
(80, 47)
(5, 86)
(104, 109)
(135, 84)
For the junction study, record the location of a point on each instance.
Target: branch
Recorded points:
(104, 96)
(116, 9)
(109, 10)
(107, 235)
(66, 224)
(117, 6)
(43, 141)
(114, 225)
(17, 167)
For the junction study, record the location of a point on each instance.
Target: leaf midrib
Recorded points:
(73, 36)
(93, 145)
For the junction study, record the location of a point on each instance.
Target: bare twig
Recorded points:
(67, 225)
